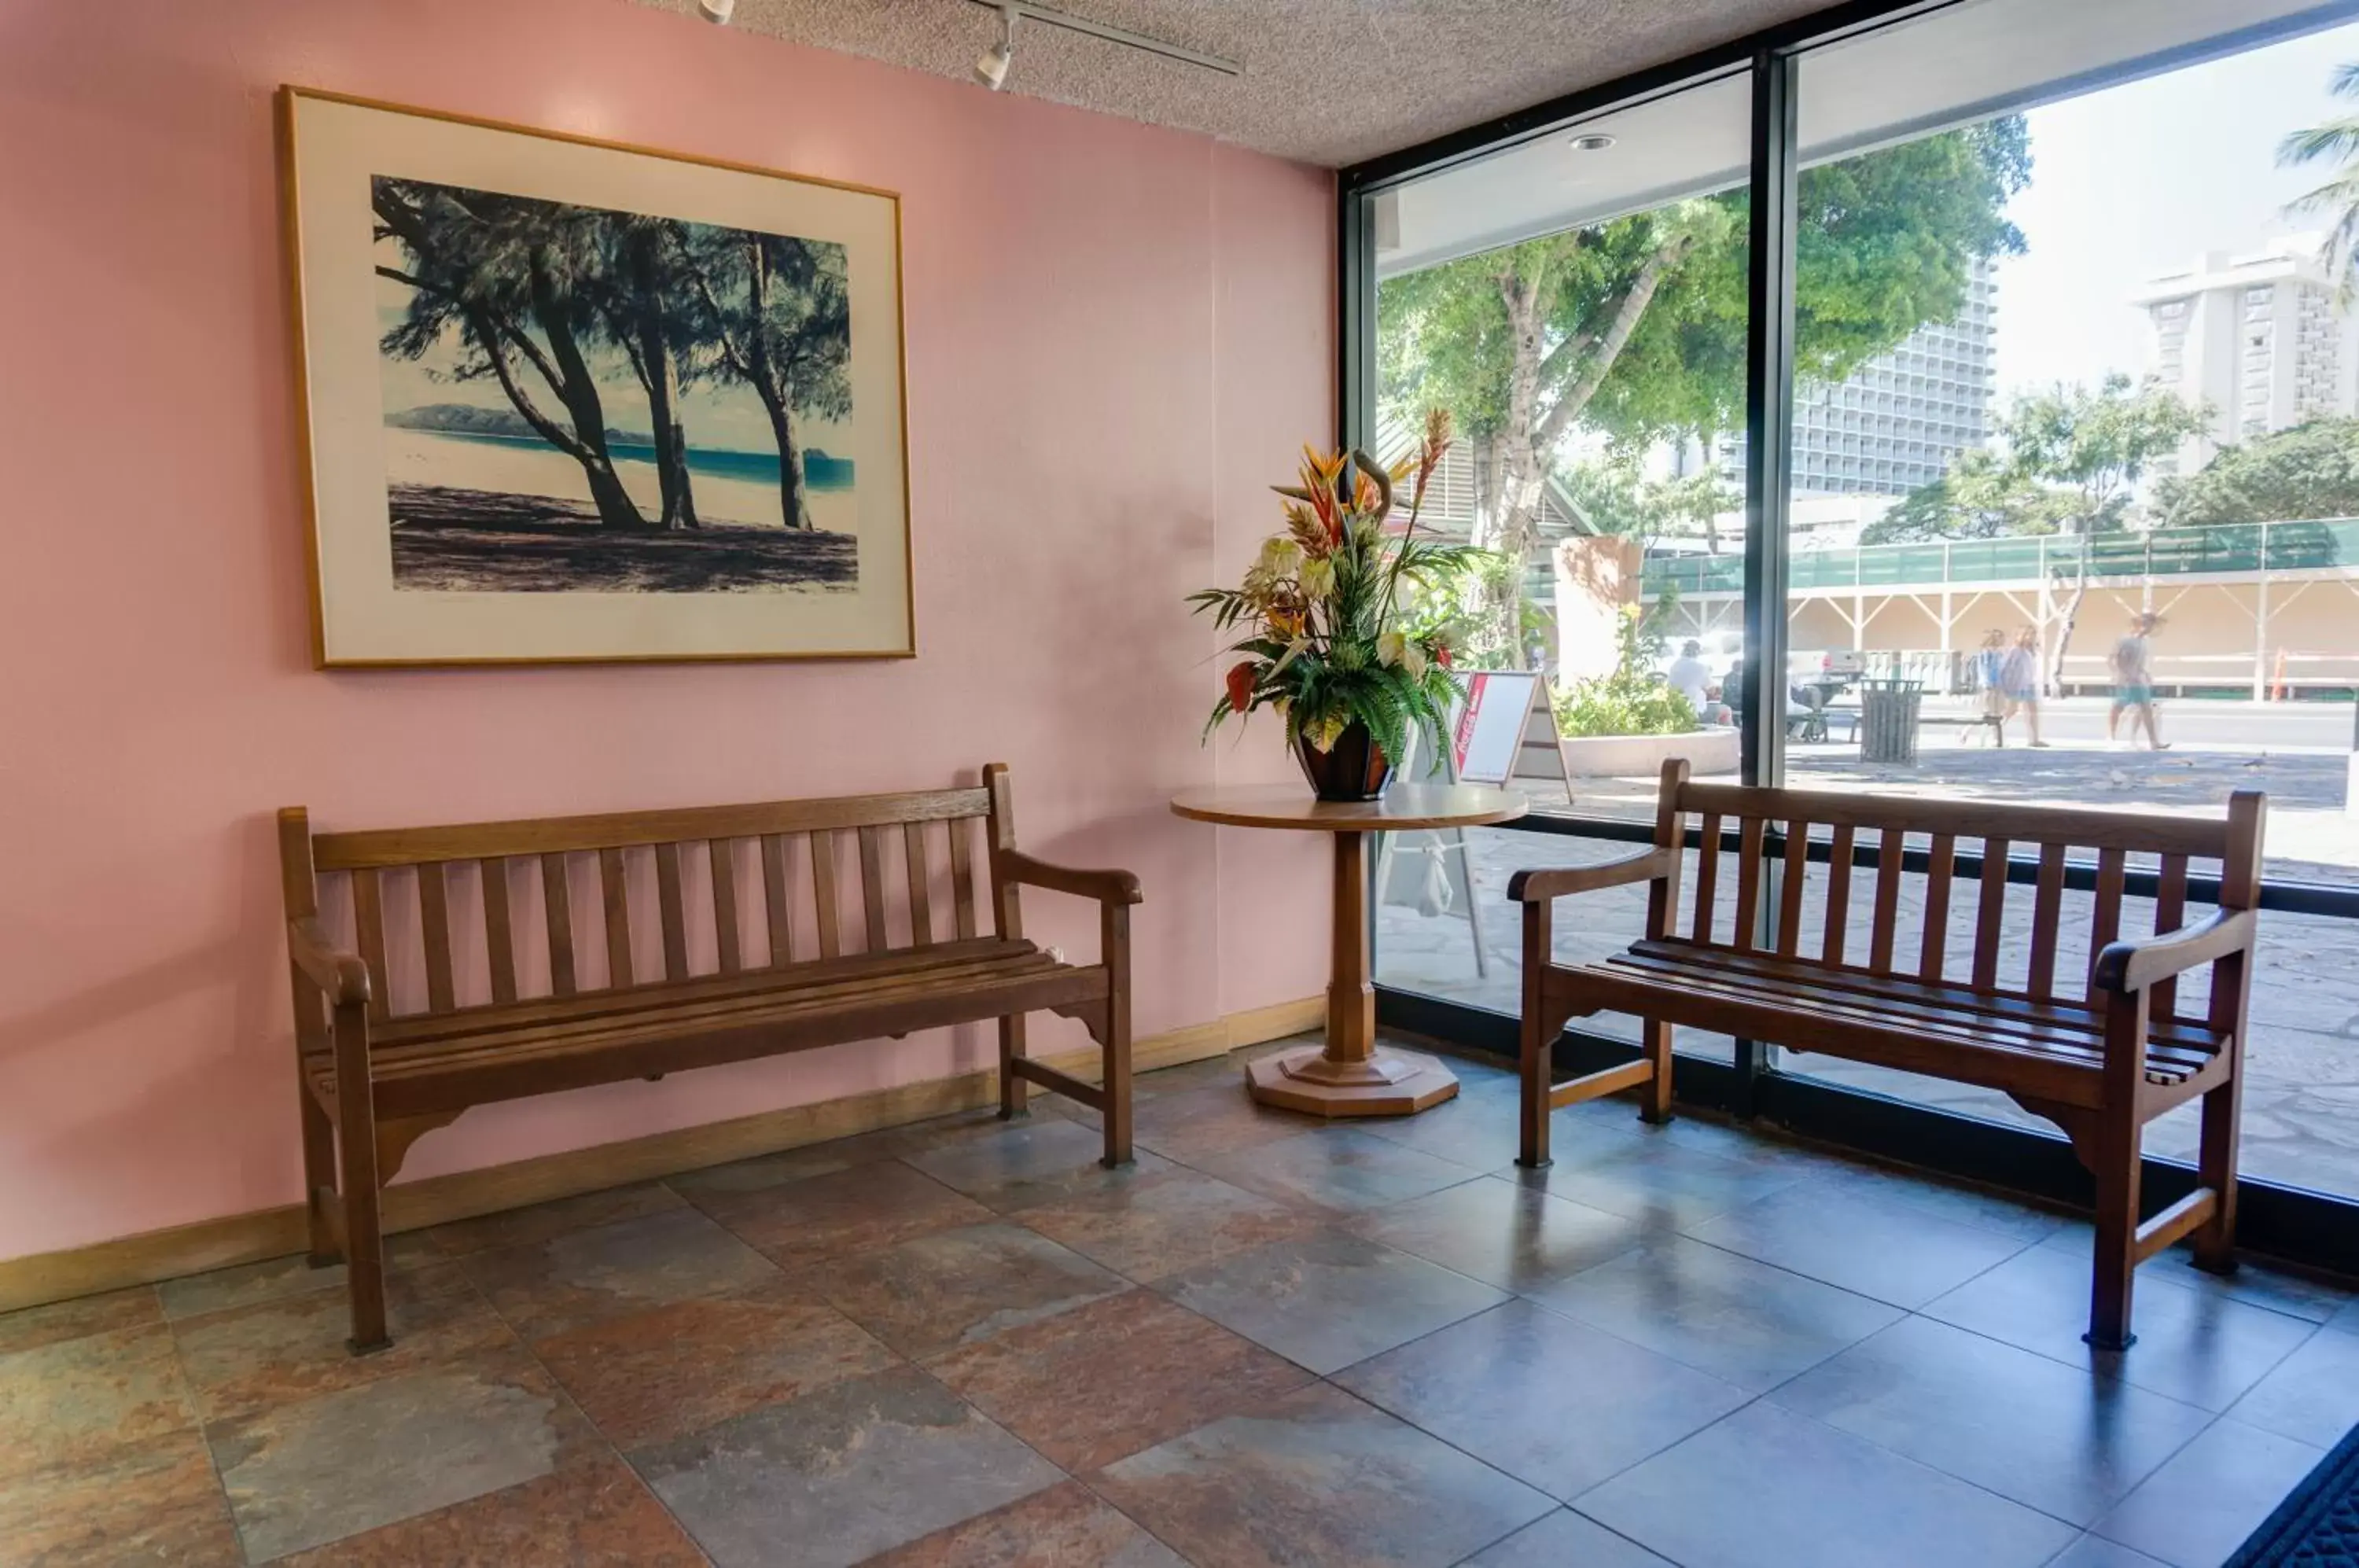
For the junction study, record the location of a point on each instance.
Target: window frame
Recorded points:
(2306, 1227)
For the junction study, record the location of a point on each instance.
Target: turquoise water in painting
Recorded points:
(821, 472)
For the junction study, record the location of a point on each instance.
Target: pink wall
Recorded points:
(1117, 337)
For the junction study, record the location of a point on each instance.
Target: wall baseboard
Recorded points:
(260, 1234)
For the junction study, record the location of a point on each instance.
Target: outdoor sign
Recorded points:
(1505, 731)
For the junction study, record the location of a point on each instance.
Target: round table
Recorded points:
(1349, 1076)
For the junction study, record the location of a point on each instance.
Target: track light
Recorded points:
(717, 11)
(991, 67)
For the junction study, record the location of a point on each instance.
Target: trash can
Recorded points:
(1887, 720)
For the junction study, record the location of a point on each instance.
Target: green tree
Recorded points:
(780, 310)
(2308, 471)
(1636, 326)
(641, 289)
(2069, 461)
(2336, 141)
(1615, 496)
(513, 278)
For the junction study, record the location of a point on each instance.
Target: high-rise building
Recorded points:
(1900, 420)
(2261, 338)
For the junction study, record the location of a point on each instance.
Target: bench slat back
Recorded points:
(734, 889)
(1774, 829)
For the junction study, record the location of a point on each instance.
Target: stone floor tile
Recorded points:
(1558, 1405)
(298, 1346)
(1743, 1321)
(76, 1401)
(1566, 1539)
(2097, 1551)
(1196, 1125)
(1329, 1299)
(1065, 1527)
(2056, 1438)
(1502, 1232)
(595, 1514)
(537, 1223)
(1887, 1251)
(2312, 1396)
(1039, 1160)
(301, 1476)
(1317, 1477)
(149, 1502)
(936, 1292)
(1479, 1128)
(676, 1369)
(1765, 1486)
(1166, 1221)
(2255, 1281)
(2199, 1508)
(1110, 1377)
(611, 1270)
(274, 1279)
(840, 1474)
(1955, 1201)
(1653, 1180)
(1340, 1169)
(30, 1328)
(822, 1218)
(2195, 1346)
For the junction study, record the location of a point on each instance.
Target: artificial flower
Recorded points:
(1279, 556)
(1412, 660)
(1317, 579)
(1392, 648)
(1242, 680)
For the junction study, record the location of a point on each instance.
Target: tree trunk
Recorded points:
(793, 510)
(678, 497)
(2072, 618)
(1520, 466)
(582, 405)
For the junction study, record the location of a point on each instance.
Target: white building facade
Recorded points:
(2260, 339)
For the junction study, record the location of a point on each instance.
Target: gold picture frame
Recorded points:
(570, 400)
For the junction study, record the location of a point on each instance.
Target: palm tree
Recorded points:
(2336, 141)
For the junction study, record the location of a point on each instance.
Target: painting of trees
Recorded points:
(586, 320)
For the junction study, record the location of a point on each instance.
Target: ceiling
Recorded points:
(1326, 82)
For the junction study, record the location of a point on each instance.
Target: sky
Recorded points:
(2141, 179)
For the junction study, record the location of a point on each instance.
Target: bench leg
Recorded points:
(1013, 1091)
(1115, 1081)
(2114, 1272)
(1533, 1150)
(356, 1146)
(1655, 1106)
(319, 1177)
(2215, 1244)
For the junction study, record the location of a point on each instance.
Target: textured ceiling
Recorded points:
(1327, 81)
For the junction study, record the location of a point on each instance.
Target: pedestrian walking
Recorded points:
(2018, 680)
(2133, 681)
(1989, 666)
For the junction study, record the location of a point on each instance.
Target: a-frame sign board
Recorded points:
(1505, 732)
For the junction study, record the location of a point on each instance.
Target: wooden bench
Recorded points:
(2100, 1055)
(376, 1077)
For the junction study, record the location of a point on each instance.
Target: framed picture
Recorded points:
(565, 399)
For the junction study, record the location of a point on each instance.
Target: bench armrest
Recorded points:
(341, 975)
(1106, 886)
(2135, 966)
(1539, 886)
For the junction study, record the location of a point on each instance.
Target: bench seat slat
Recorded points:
(2075, 1034)
(418, 1081)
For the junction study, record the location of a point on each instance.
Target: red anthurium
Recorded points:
(1241, 680)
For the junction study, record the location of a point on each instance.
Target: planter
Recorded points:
(1711, 750)
(1354, 769)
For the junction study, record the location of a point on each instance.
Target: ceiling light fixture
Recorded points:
(991, 69)
(997, 60)
(1592, 141)
(717, 11)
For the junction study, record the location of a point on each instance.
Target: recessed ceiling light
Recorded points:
(1594, 141)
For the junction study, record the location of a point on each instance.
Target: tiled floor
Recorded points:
(1271, 1341)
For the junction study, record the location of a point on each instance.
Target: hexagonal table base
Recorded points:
(1389, 1083)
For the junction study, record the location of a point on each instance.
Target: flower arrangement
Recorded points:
(1326, 643)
